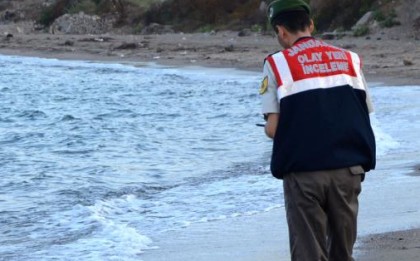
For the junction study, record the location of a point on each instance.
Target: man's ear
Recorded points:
(311, 27)
(280, 30)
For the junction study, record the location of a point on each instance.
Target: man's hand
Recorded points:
(271, 126)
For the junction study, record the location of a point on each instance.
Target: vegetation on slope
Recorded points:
(204, 15)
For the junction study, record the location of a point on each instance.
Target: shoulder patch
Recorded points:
(264, 86)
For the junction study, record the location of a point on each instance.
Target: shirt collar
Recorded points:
(302, 38)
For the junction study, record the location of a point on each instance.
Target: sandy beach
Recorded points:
(387, 59)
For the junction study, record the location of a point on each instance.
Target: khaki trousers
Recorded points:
(322, 209)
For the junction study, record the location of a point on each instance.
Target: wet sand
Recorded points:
(392, 246)
(264, 237)
(394, 61)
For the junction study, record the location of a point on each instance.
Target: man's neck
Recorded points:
(297, 36)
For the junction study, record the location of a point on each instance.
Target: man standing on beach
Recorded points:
(315, 101)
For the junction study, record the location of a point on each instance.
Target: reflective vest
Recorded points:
(324, 120)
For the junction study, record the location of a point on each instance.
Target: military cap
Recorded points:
(281, 6)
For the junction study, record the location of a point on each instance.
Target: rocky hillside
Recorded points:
(155, 16)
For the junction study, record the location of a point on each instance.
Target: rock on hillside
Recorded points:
(80, 24)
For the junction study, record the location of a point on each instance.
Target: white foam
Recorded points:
(113, 236)
(116, 237)
(384, 141)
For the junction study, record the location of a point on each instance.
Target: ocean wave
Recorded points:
(68, 117)
(32, 114)
(384, 142)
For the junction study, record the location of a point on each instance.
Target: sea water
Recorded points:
(97, 158)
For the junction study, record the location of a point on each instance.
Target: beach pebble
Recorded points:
(68, 43)
(349, 46)
(229, 48)
(125, 46)
(155, 28)
(244, 32)
(407, 62)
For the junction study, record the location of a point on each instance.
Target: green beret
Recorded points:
(281, 6)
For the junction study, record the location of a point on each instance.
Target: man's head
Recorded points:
(290, 18)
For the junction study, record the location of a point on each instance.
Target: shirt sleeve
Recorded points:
(268, 91)
(368, 98)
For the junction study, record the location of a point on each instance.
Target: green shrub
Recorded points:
(379, 16)
(142, 3)
(390, 22)
(256, 28)
(138, 28)
(386, 19)
(193, 15)
(366, 6)
(86, 6)
(361, 31)
(54, 11)
(206, 28)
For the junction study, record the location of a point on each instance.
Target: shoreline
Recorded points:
(383, 63)
(389, 61)
(370, 77)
